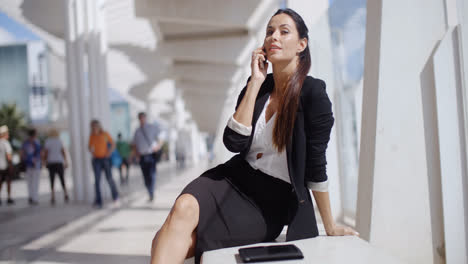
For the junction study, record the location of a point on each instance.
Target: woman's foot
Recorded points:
(66, 198)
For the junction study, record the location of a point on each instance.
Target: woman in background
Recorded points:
(56, 159)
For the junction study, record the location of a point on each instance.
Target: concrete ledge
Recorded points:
(322, 249)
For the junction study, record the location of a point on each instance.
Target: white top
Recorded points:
(271, 162)
(54, 150)
(5, 148)
(146, 138)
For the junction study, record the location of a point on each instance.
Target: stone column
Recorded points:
(398, 198)
(78, 96)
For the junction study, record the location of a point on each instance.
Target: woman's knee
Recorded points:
(186, 207)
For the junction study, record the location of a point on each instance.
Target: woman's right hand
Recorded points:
(258, 65)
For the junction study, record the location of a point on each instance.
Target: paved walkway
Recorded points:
(77, 233)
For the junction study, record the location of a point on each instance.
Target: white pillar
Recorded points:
(461, 21)
(93, 53)
(83, 98)
(101, 25)
(73, 105)
(172, 145)
(195, 141)
(176, 125)
(450, 132)
(394, 197)
(97, 73)
(462, 8)
(77, 98)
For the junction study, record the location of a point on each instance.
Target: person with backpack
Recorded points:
(124, 151)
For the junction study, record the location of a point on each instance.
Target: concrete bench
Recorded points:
(322, 249)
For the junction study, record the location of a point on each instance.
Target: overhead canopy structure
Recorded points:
(208, 43)
(202, 45)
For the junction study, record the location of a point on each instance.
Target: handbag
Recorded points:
(156, 154)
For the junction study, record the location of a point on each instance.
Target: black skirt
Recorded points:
(238, 206)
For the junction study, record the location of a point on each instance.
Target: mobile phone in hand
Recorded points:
(262, 66)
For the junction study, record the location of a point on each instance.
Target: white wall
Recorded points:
(451, 140)
(397, 175)
(462, 9)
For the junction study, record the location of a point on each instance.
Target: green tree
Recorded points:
(11, 116)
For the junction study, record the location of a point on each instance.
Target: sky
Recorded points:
(11, 31)
(349, 18)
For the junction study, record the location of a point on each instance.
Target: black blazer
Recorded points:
(305, 152)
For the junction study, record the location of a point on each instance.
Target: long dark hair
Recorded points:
(289, 100)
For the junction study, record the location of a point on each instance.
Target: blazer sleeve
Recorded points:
(234, 141)
(318, 120)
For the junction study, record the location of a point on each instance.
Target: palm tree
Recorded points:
(15, 119)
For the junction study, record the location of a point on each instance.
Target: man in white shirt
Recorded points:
(145, 144)
(5, 162)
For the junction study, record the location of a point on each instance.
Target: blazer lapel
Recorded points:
(259, 105)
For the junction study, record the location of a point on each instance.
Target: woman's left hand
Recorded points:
(342, 231)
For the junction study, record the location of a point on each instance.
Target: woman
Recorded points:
(101, 147)
(281, 128)
(56, 160)
(31, 155)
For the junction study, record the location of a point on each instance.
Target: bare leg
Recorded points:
(175, 241)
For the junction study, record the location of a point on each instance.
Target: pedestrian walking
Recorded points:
(5, 163)
(56, 159)
(124, 150)
(31, 156)
(101, 147)
(146, 146)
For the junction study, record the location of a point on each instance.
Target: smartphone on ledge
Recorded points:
(266, 253)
